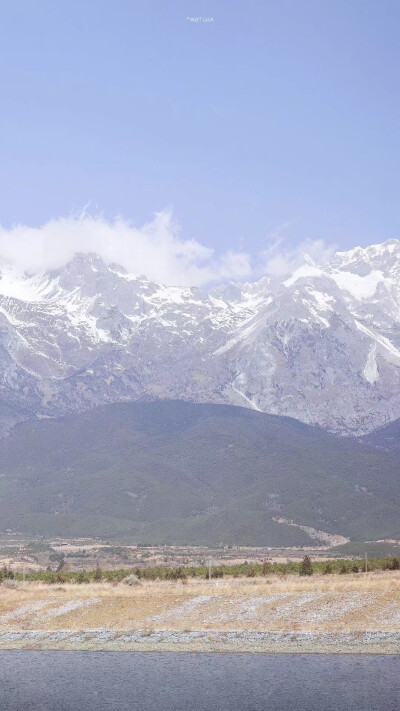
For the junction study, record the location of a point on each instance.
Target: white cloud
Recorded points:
(156, 249)
(280, 260)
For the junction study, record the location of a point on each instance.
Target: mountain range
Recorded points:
(321, 345)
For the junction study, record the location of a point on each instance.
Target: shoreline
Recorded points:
(232, 641)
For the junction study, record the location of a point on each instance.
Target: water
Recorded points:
(99, 681)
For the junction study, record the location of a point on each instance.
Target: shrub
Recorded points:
(395, 564)
(176, 574)
(328, 568)
(131, 580)
(217, 573)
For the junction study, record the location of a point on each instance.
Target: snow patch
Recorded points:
(360, 287)
(371, 372)
(388, 347)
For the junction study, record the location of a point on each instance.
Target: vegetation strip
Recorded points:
(305, 567)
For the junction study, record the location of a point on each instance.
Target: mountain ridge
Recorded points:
(176, 472)
(321, 345)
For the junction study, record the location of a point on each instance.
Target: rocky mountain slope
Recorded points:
(175, 472)
(322, 345)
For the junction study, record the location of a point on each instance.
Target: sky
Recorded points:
(216, 134)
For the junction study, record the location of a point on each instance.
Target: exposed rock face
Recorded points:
(322, 346)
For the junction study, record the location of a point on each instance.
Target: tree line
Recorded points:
(305, 567)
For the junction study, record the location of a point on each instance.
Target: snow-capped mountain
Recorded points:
(321, 345)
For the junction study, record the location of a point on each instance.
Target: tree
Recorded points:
(4, 572)
(306, 566)
(266, 569)
(7, 573)
(395, 564)
(97, 575)
(61, 563)
(328, 569)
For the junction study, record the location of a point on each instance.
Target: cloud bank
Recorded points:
(156, 250)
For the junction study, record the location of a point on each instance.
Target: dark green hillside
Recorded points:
(387, 437)
(178, 472)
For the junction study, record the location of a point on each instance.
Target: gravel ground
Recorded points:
(365, 642)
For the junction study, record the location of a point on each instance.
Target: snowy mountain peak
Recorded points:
(359, 259)
(322, 345)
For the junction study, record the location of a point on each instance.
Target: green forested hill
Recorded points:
(177, 472)
(387, 437)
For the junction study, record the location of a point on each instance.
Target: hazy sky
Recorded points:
(279, 117)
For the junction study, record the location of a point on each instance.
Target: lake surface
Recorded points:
(99, 681)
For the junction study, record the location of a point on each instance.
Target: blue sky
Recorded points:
(279, 116)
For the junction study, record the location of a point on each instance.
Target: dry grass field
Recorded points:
(331, 603)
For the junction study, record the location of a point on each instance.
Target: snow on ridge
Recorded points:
(306, 270)
(379, 339)
(352, 255)
(360, 287)
(323, 300)
(24, 288)
(247, 329)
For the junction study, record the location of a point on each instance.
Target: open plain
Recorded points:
(336, 613)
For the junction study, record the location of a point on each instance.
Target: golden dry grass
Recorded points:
(331, 603)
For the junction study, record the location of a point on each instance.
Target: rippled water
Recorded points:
(95, 681)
